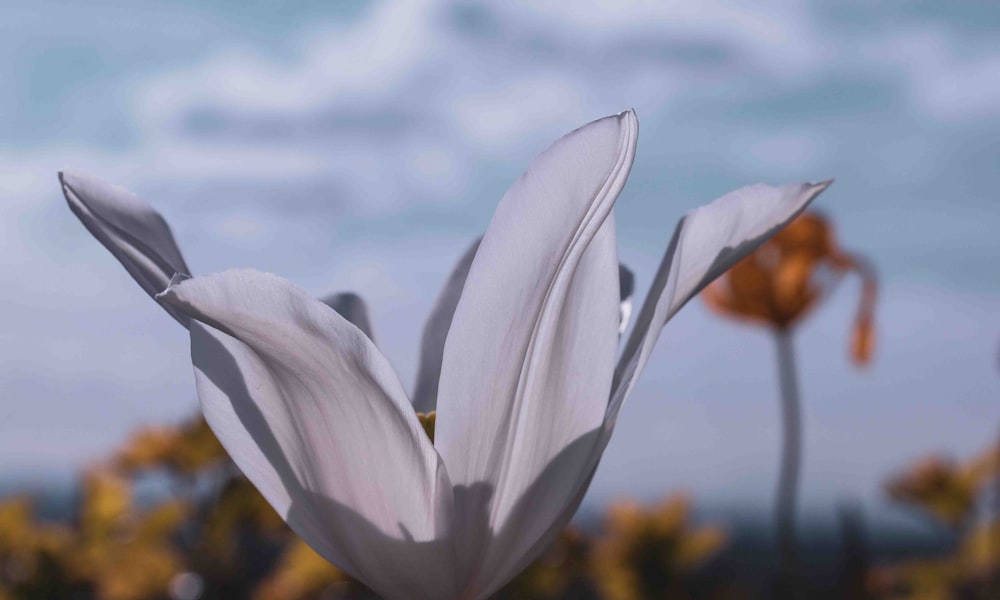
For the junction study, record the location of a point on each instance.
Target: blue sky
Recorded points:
(362, 145)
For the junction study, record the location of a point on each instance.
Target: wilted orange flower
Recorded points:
(784, 279)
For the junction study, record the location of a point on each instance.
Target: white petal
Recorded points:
(439, 322)
(528, 361)
(559, 426)
(706, 242)
(353, 308)
(436, 331)
(315, 416)
(130, 229)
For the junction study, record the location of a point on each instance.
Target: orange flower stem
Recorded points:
(789, 581)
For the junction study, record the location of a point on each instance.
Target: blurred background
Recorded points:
(362, 145)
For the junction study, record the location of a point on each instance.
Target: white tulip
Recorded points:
(525, 382)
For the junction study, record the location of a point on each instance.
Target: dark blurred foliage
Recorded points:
(213, 536)
(208, 534)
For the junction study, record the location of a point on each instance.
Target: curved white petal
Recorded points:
(528, 360)
(130, 229)
(706, 242)
(315, 416)
(562, 410)
(353, 308)
(436, 331)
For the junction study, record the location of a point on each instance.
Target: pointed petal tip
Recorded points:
(822, 185)
(65, 178)
(68, 177)
(812, 190)
(630, 120)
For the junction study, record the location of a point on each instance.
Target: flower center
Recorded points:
(427, 421)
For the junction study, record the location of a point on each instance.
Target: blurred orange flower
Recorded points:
(783, 280)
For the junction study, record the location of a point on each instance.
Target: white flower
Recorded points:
(528, 389)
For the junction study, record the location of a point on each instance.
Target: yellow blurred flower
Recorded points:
(965, 574)
(939, 487)
(27, 548)
(645, 551)
(125, 553)
(112, 551)
(184, 450)
(948, 491)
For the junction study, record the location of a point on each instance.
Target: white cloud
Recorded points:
(345, 62)
(506, 115)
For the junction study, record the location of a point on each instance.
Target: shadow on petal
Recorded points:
(393, 566)
(540, 514)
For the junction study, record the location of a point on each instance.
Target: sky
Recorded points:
(362, 145)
